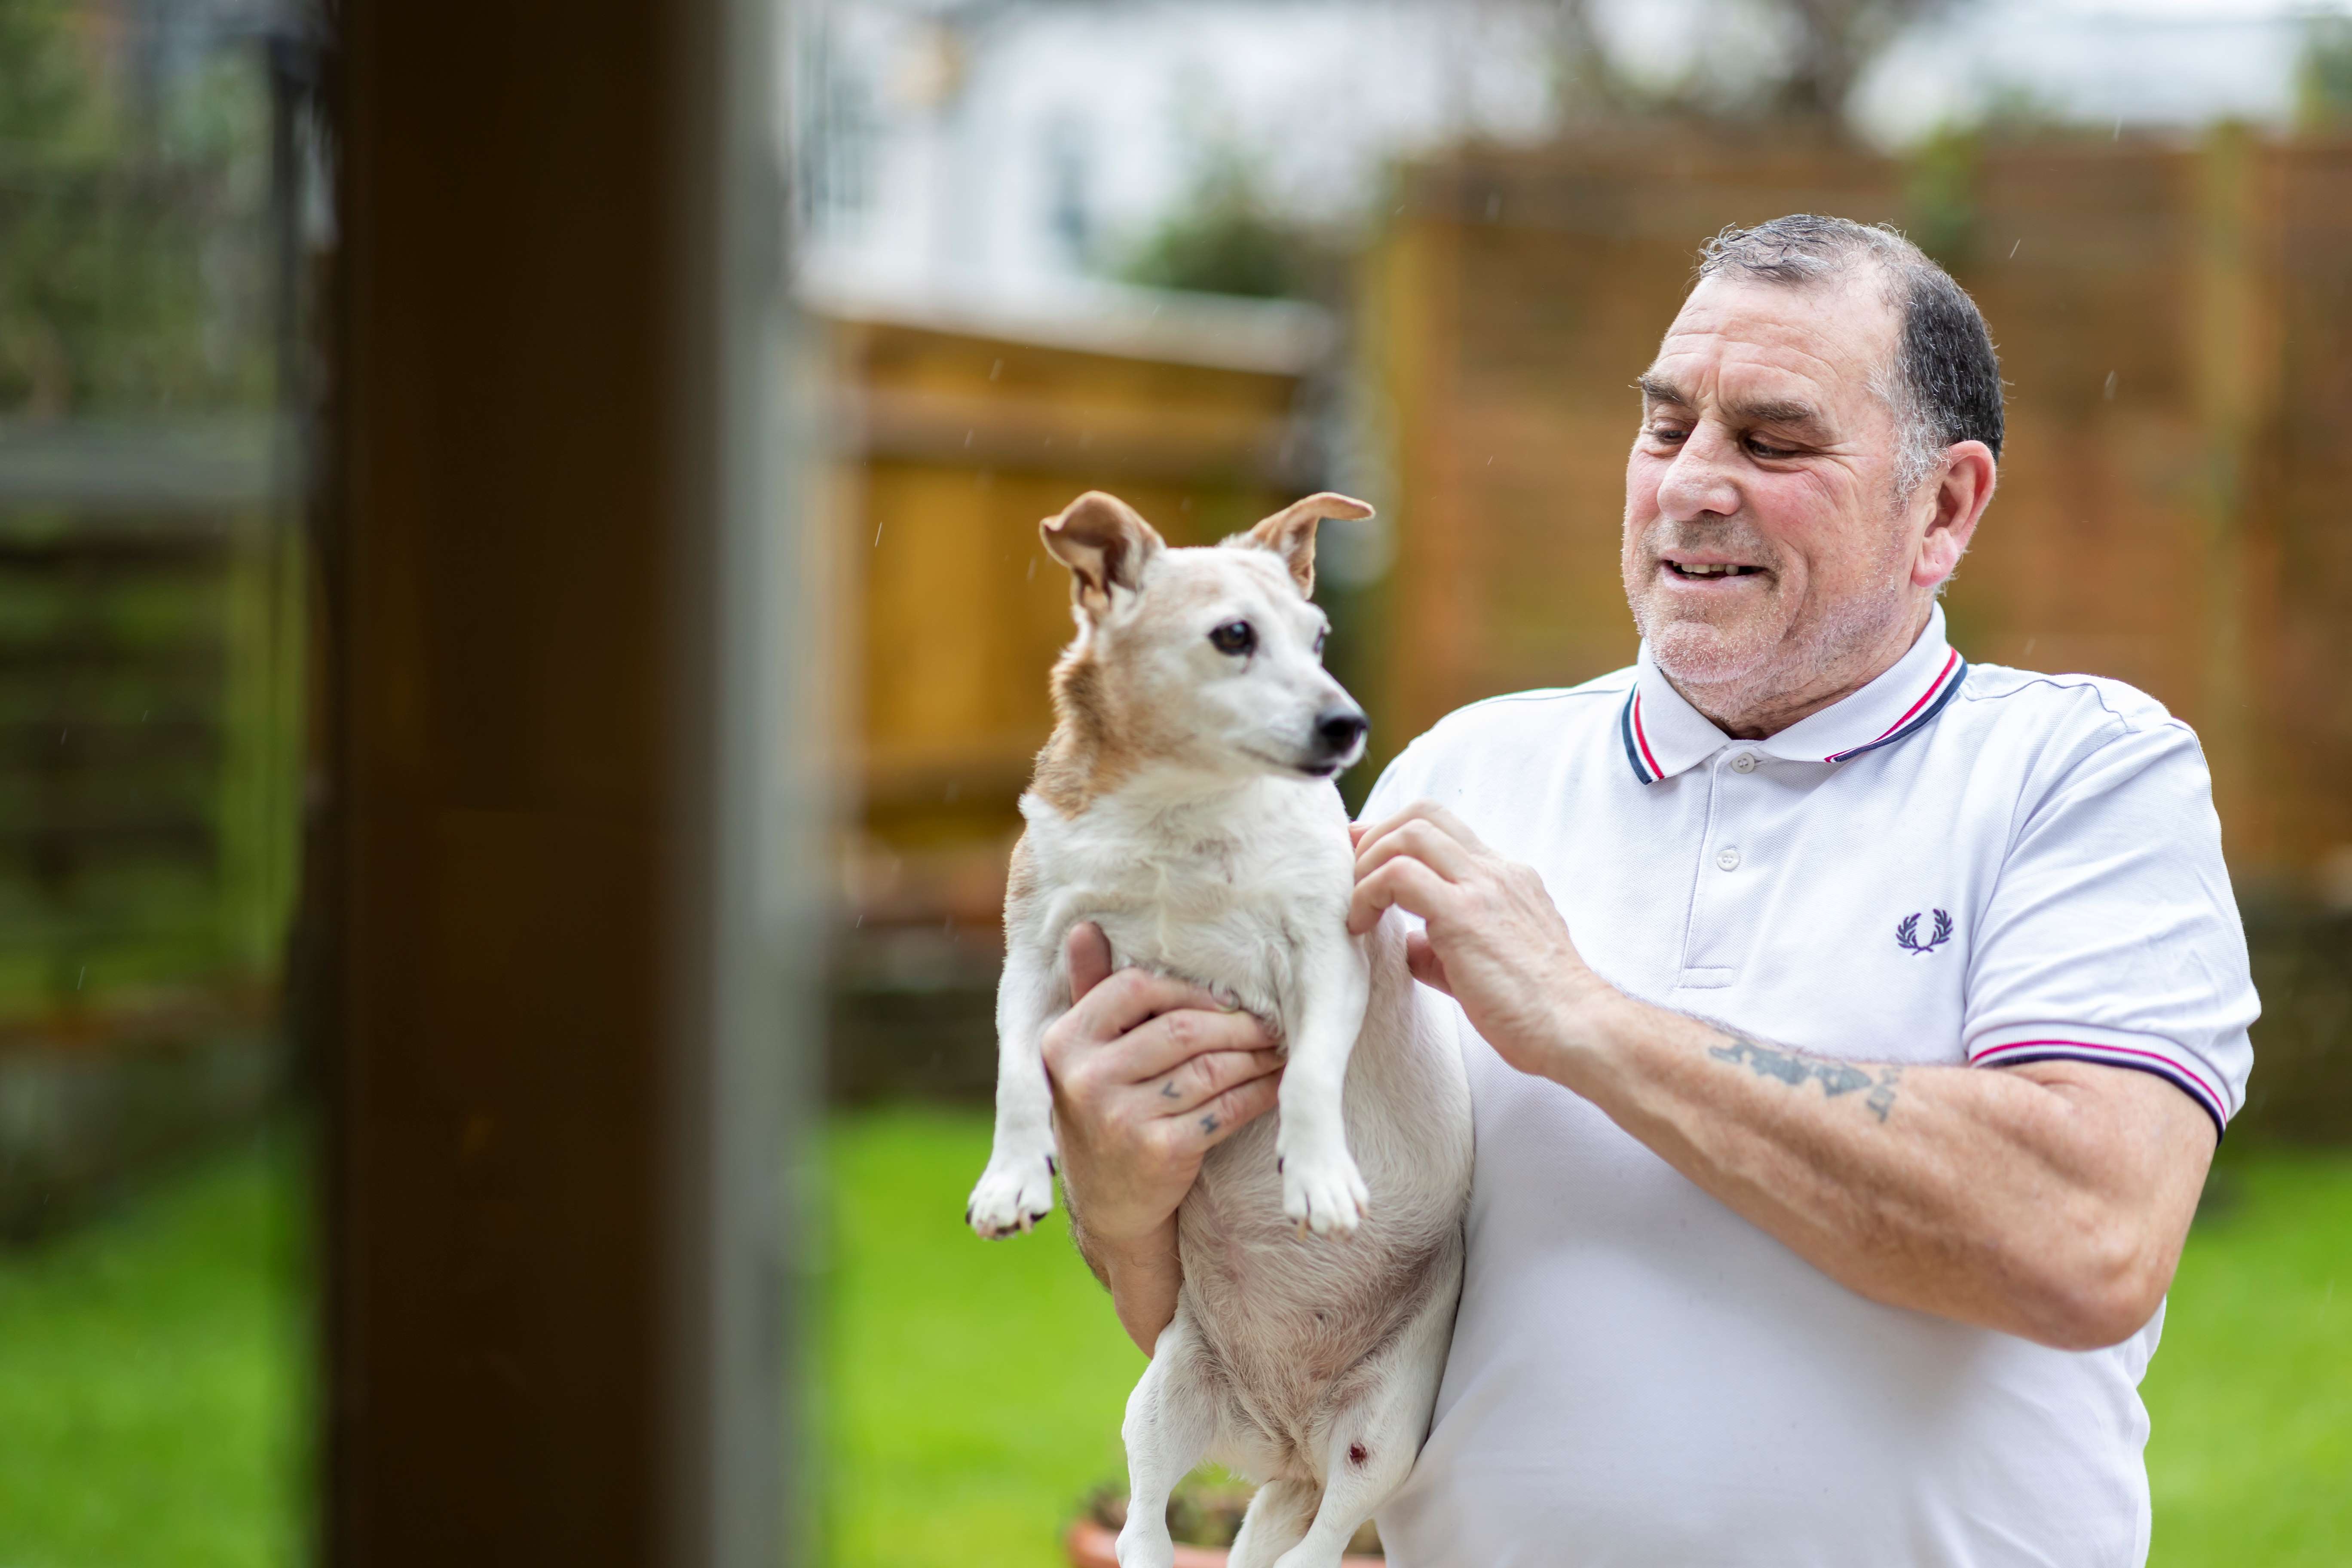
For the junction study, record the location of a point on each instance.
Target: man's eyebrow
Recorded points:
(1768, 410)
(1657, 389)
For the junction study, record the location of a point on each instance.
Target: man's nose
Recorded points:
(1698, 481)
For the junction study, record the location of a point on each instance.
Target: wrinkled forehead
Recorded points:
(1207, 579)
(1828, 340)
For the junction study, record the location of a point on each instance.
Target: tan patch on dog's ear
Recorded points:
(1290, 533)
(1106, 544)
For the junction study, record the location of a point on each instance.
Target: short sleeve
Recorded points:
(2112, 935)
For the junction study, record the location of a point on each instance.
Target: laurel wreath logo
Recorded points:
(1907, 932)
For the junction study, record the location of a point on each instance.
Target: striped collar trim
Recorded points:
(1664, 735)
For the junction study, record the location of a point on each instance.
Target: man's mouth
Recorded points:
(1708, 570)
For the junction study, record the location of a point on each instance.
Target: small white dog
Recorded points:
(1184, 806)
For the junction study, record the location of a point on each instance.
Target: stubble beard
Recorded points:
(1771, 657)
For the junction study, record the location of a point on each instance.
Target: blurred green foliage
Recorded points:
(1228, 237)
(2323, 76)
(149, 677)
(133, 265)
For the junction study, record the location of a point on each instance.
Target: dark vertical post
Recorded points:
(554, 919)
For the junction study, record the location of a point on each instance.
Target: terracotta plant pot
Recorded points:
(1093, 1546)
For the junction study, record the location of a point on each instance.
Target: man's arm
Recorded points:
(1148, 1075)
(2048, 1201)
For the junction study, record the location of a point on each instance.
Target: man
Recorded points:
(1849, 1027)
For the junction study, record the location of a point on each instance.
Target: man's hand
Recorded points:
(1492, 940)
(2048, 1201)
(1148, 1075)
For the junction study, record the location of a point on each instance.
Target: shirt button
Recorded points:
(1728, 859)
(1745, 762)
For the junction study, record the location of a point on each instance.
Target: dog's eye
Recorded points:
(1318, 641)
(1233, 636)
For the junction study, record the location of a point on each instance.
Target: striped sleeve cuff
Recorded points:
(2177, 1065)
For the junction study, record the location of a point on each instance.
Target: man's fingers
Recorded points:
(1452, 826)
(1425, 842)
(1127, 998)
(1427, 811)
(1194, 1083)
(1159, 1045)
(1404, 883)
(1221, 1118)
(1089, 952)
(1421, 961)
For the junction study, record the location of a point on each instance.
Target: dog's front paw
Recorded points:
(1325, 1194)
(1014, 1194)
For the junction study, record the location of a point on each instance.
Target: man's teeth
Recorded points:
(1695, 571)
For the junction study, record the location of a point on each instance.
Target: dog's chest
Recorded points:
(1225, 903)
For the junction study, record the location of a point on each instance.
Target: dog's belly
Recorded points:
(1287, 1319)
(1227, 952)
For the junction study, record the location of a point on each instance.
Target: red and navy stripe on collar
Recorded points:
(1913, 719)
(1915, 716)
(1637, 743)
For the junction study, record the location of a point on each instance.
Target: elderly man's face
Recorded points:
(1765, 546)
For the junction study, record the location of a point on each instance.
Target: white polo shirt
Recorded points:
(1957, 864)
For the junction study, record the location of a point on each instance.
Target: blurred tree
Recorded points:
(2323, 76)
(119, 267)
(1823, 48)
(1227, 236)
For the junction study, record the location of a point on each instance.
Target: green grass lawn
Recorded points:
(153, 1371)
(152, 1394)
(2250, 1459)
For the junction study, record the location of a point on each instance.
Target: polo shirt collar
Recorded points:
(1665, 735)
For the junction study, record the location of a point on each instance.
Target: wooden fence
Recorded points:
(2175, 324)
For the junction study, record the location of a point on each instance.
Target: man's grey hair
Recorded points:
(1943, 384)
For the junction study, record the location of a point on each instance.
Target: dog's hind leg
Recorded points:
(1172, 1418)
(1276, 1521)
(1374, 1439)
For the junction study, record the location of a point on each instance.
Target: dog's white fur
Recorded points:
(1184, 807)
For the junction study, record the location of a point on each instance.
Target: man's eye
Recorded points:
(1766, 450)
(1233, 636)
(1666, 433)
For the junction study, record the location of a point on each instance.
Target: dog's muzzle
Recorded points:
(1339, 740)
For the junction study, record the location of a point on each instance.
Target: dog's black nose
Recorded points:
(1339, 729)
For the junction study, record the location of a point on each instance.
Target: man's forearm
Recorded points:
(1142, 1276)
(2035, 1201)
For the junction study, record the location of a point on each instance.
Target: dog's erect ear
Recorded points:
(1105, 542)
(1290, 533)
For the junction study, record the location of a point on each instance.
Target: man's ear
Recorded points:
(1106, 544)
(1290, 533)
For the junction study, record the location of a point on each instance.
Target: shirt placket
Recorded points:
(1728, 886)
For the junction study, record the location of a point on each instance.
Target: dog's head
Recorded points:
(1208, 659)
